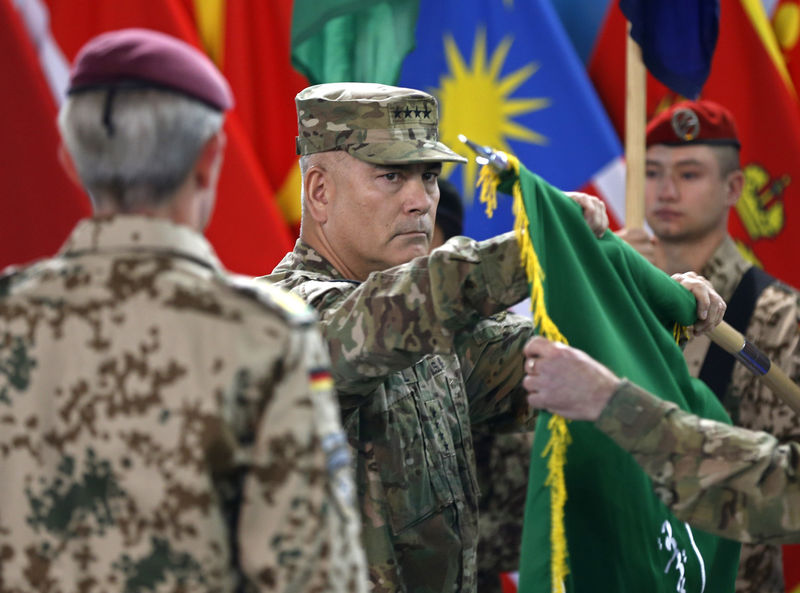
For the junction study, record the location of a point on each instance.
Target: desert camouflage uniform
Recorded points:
(417, 362)
(165, 426)
(774, 329)
(737, 483)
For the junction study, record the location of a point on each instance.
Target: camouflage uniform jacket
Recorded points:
(416, 361)
(774, 329)
(165, 426)
(740, 484)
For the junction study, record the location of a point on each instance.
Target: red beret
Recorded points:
(693, 122)
(144, 58)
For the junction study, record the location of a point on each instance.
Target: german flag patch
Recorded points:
(321, 380)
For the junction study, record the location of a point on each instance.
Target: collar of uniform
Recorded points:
(725, 268)
(139, 233)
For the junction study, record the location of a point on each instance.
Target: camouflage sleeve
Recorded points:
(388, 321)
(730, 481)
(490, 354)
(301, 484)
(773, 327)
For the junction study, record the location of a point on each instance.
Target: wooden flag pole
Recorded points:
(725, 336)
(733, 342)
(635, 122)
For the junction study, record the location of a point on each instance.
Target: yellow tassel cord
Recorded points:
(488, 182)
(680, 333)
(559, 433)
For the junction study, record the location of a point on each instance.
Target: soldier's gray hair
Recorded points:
(143, 151)
(328, 159)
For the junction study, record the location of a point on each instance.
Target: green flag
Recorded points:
(610, 302)
(352, 40)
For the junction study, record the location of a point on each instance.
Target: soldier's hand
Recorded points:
(594, 211)
(710, 306)
(565, 380)
(641, 241)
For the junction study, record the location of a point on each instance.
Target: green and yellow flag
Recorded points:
(598, 526)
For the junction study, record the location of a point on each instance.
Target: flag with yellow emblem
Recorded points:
(507, 76)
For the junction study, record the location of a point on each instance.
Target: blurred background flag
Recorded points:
(40, 205)
(255, 60)
(352, 40)
(677, 38)
(507, 76)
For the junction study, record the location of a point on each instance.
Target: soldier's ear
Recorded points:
(209, 162)
(317, 189)
(734, 183)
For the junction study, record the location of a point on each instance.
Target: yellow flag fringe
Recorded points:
(680, 333)
(556, 447)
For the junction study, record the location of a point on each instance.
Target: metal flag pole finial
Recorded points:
(487, 156)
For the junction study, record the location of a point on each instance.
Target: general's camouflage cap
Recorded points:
(376, 123)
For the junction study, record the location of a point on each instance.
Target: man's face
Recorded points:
(381, 216)
(686, 195)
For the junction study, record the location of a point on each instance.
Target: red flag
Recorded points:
(256, 62)
(786, 24)
(749, 78)
(40, 204)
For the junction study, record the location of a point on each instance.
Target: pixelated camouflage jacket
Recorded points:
(727, 480)
(165, 426)
(417, 361)
(773, 328)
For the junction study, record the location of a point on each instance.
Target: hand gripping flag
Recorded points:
(592, 521)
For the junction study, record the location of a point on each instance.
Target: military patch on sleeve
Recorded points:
(321, 380)
(291, 303)
(337, 461)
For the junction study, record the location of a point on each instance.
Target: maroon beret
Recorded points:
(145, 58)
(693, 122)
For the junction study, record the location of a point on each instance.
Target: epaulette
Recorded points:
(290, 306)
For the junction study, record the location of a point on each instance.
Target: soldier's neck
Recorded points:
(317, 240)
(676, 257)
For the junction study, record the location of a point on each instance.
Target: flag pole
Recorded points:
(733, 342)
(635, 120)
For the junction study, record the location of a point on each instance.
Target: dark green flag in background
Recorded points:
(610, 302)
(352, 40)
